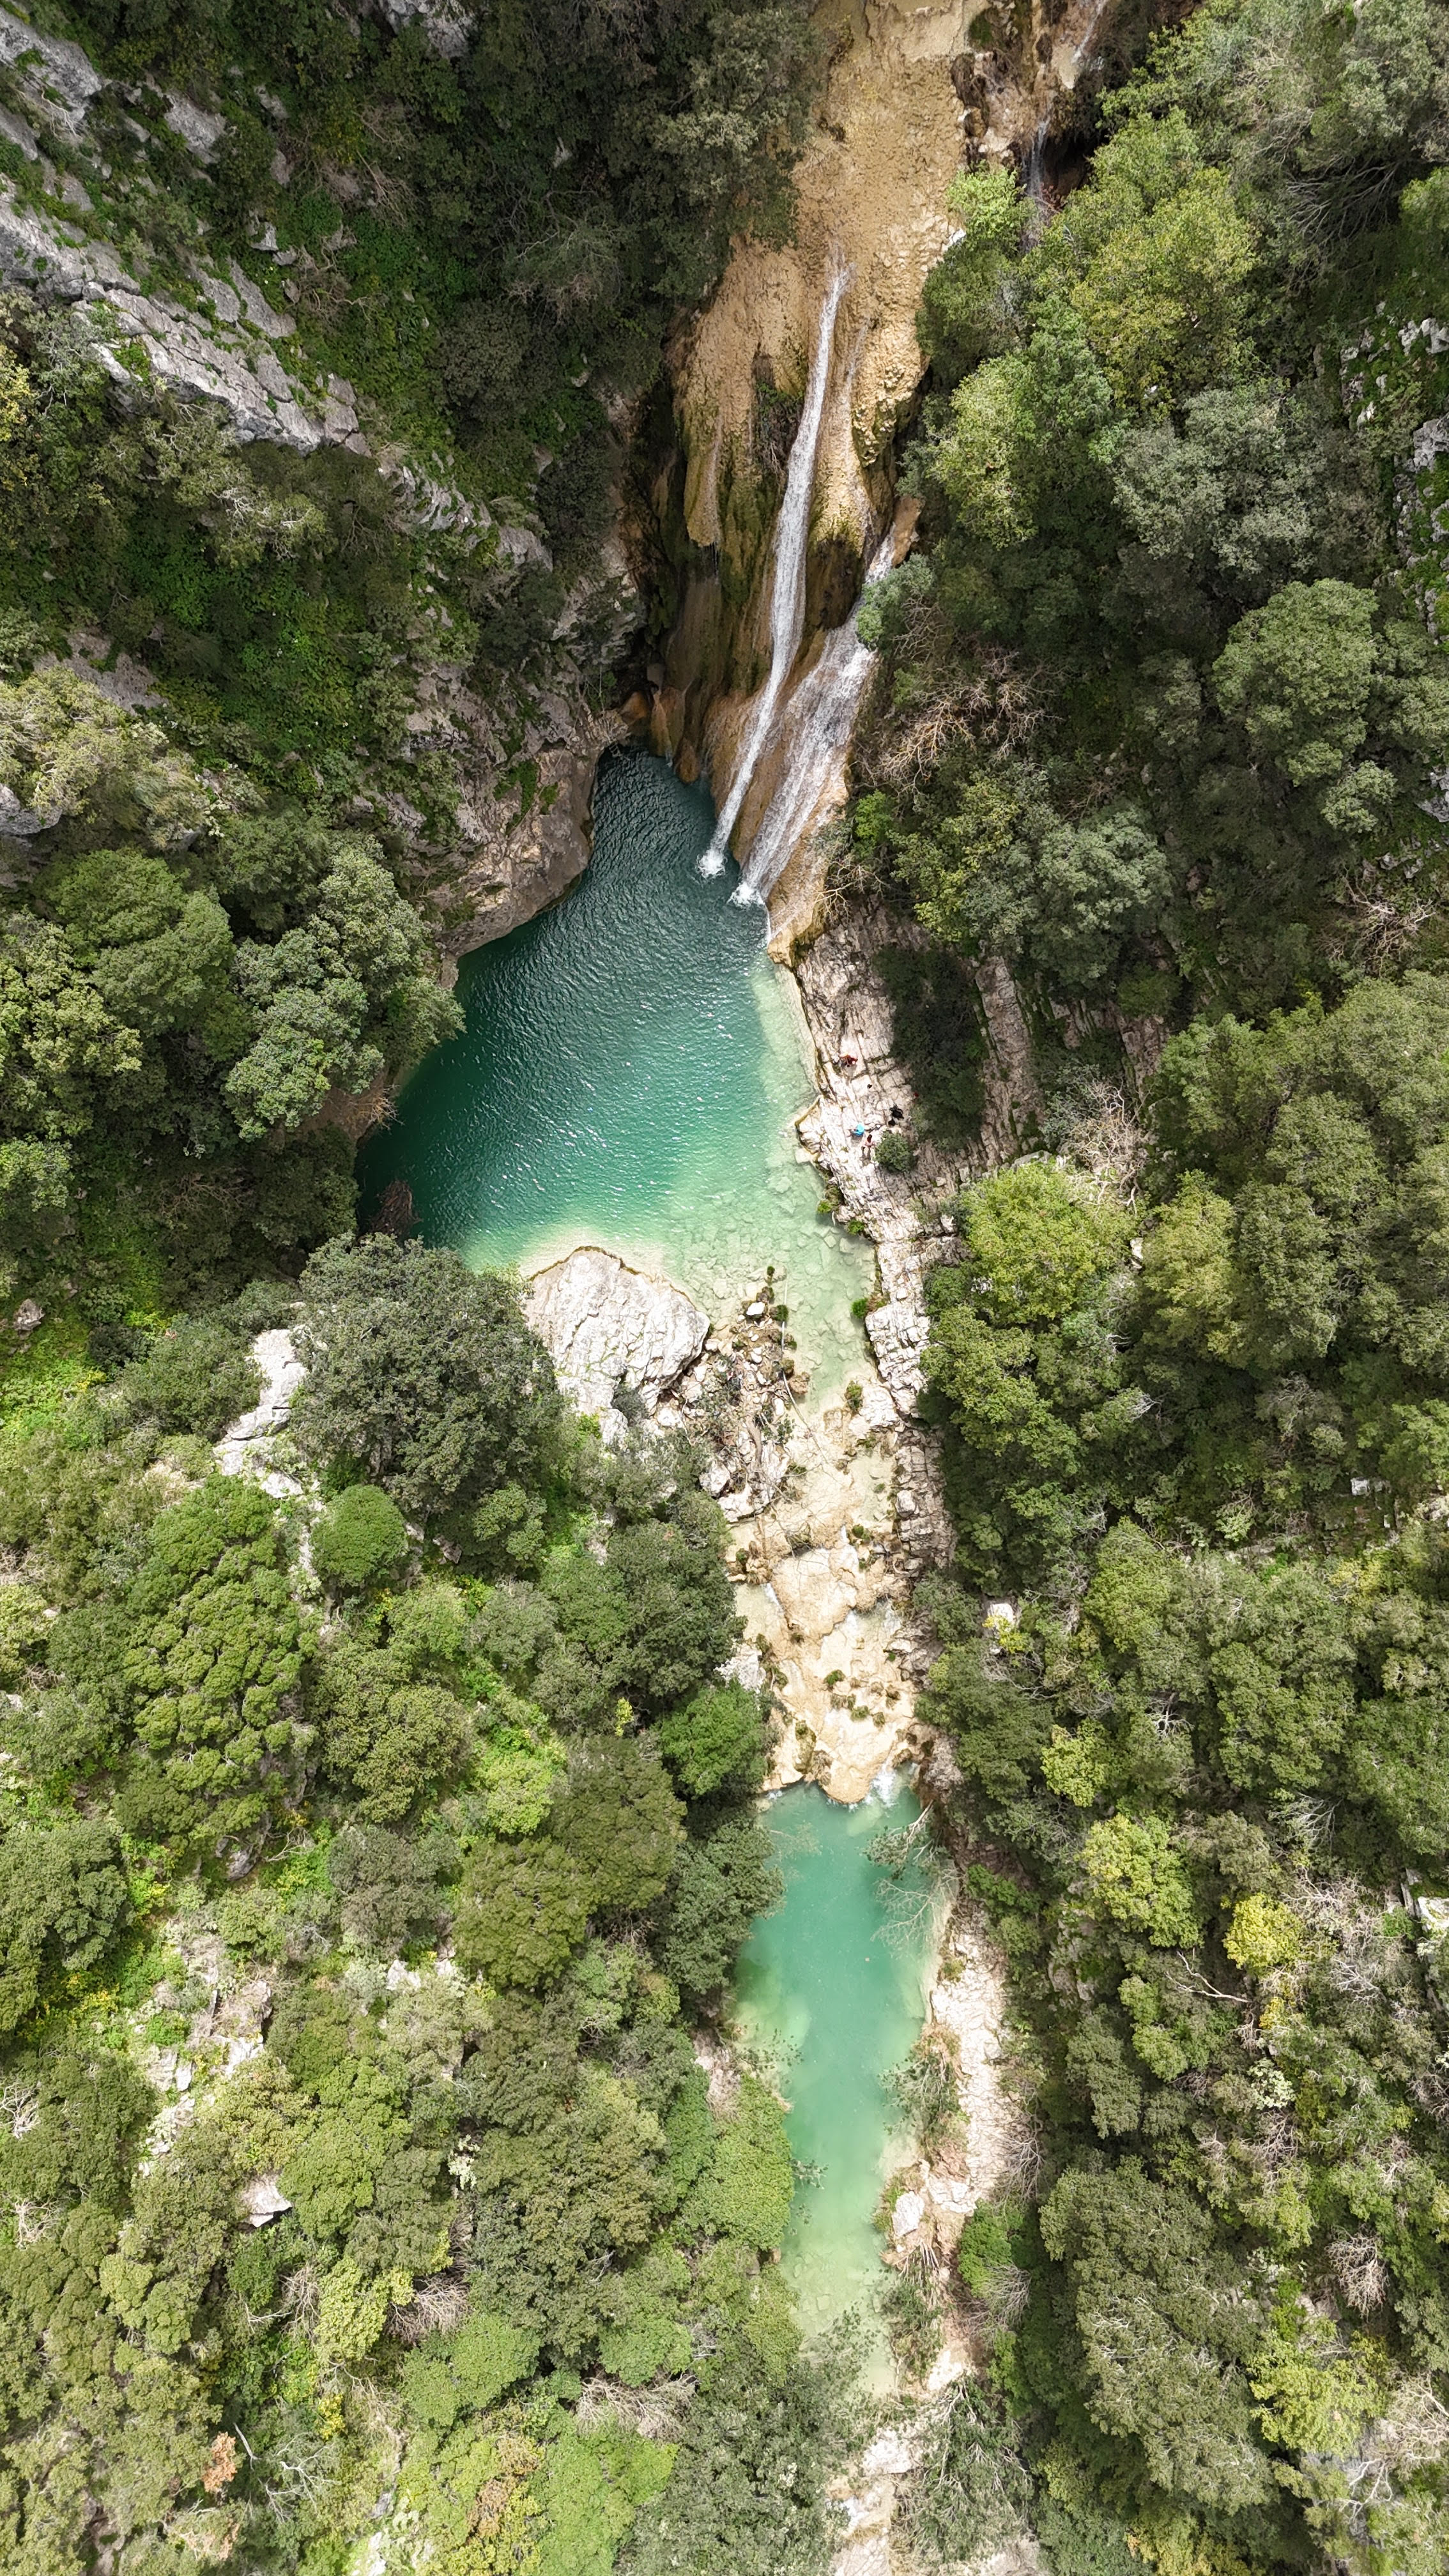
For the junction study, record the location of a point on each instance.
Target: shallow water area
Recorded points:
(831, 1992)
(629, 1075)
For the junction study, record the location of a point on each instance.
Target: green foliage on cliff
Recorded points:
(488, 255)
(1201, 1773)
(362, 2194)
(1163, 713)
(353, 2142)
(187, 978)
(1162, 707)
(221, 854)
(1275, 1348)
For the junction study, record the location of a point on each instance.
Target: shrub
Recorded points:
(1135, 1876)
(62, 1901)
(360, 1539)
(197, 1376)
(422, 1373)
(1263, 1934)
(522, 1909)
(718, 1737)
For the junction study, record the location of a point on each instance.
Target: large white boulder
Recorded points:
(604, 1325)
(244, 1446)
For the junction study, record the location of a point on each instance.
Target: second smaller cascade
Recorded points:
(787, 602)
(820, 721)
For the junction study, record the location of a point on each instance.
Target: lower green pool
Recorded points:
(831, 1993)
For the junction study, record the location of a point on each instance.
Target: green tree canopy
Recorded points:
(360, 1539)
(195, 1676)
(422, 1372)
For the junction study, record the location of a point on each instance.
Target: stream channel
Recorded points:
(629, 1075)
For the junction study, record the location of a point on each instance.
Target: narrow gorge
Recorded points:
(724, 1401)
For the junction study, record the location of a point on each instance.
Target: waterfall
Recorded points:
(787, 600)
(820, 719)
(1034, 170)
(1099, 12)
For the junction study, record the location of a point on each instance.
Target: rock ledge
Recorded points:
(607, 1327)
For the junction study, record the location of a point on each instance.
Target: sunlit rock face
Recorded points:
(911, 96)
(607, 1327)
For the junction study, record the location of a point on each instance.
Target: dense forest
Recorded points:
(1162, 718)
(318, 2221)
(222, 893)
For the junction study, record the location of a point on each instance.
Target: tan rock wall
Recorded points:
(911, 94)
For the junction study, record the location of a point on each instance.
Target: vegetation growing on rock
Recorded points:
(247, 691)
(1163, 705)
(352, 2134)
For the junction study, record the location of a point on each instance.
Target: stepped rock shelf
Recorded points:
(812, 1498)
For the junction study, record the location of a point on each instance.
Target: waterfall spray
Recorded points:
(821, 718)
(787, 600)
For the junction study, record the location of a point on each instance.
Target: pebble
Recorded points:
(754, 1314)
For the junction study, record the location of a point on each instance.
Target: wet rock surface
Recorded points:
(513, 860)
(824, 1594)
(863, 1094)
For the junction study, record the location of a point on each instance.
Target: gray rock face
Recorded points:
(58, 79)
(189, 322)
(230, 360)
(194, 126)
(219, 348)
(244, 1447)
(446, 24)
(509, 865)
(604, 1324)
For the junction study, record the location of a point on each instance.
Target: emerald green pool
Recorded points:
(629, 1074)
(833, 1998)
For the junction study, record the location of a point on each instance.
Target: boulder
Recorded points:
(605, 1326)
(243, 1449)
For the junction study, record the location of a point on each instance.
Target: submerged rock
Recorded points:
(608, 1329)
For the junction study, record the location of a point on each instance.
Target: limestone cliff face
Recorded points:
(175, 320)
(911, 95)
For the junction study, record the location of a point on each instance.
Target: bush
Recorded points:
(63, 1899)
(895, 1151)
(522, 1909)
(360, 1539)
(197, 1376)
(717, 1888)
(423, 1373)
(716, 1740)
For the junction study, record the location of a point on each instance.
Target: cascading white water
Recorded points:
(820, 719)
(1034, 172)
(787, 600)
